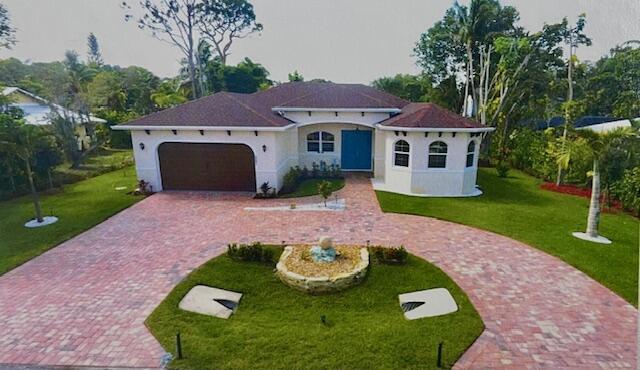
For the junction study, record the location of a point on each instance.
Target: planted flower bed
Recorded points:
(582, 192)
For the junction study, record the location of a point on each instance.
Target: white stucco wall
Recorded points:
(286, 149)
(379, 154)
(270, 164)
(454, 180)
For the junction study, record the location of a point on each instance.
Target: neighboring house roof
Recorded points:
(263, 109)
(580, 122)
(429, 115)
(607, 126)
(38, 111)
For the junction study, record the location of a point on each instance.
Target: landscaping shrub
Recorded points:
(390, 255)
(502, 168)
(255, 252)
(266, 191)
(628, 190)
(324, 189)
(296, 175)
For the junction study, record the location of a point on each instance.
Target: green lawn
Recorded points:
(518, 208)
(310, 187)
(276, 327)
(79, 207)
(103, 160)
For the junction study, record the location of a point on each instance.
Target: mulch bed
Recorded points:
(584, 193)
(300, 261)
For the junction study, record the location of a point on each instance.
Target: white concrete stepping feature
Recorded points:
(332, 205)
(210, 301)
(427, 303)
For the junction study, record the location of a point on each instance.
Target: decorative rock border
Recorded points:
(322, 284)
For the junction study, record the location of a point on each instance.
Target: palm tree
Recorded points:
(594, 146)
(21, 140)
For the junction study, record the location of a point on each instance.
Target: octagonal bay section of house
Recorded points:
(237, 142)
(428, 151)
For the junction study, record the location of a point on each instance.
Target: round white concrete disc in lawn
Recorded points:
(47, 220)
(598, 239)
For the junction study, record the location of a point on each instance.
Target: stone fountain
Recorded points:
(323, 267)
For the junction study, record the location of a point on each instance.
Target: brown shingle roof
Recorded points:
(429, 115)
(254, 110)
(331, 95)
(220, 109)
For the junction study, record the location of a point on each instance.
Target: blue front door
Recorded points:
(356, 150)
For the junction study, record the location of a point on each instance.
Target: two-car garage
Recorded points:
(207, 166)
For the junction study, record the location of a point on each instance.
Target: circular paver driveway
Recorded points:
(85, 302)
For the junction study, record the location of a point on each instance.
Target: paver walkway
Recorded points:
(84, 302)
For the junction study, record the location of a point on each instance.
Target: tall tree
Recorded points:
(598, 145)
(94, 56)
(23, 141)
(573, 36)
(223, 21)
(452, 46)
(175, 22)
(7, 32)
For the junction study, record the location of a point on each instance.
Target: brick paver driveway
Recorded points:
(84, 302)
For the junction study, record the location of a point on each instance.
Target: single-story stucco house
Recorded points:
(38, 111)
(237, 142)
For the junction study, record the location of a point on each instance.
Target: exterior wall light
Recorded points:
(228, 132)
(264, 148)
(141, 146)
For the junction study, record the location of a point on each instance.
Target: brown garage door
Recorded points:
(204, 166)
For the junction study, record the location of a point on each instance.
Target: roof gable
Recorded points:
(429, 115)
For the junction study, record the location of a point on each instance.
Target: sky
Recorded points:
(339, 40)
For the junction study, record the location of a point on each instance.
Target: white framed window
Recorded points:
(471, 152)
(437, 155)
(401, 153)
(320, 142)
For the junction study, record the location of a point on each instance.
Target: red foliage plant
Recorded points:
(581, 192)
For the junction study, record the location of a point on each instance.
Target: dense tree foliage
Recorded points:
(192, 25)
(94, 55)
(7, 32)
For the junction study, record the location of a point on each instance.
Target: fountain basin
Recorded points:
(297, 269)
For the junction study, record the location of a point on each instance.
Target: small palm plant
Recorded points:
(325, 190)
(594, 146)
